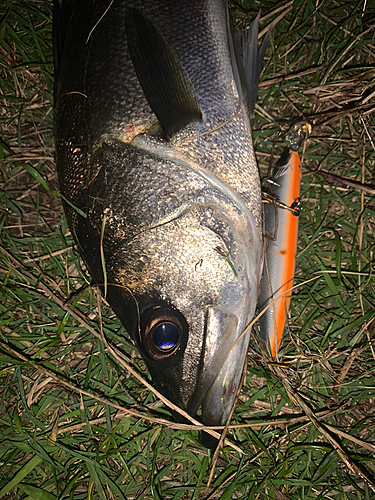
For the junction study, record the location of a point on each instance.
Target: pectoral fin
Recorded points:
(163, 80)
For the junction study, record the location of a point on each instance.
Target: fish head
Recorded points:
(186, 289)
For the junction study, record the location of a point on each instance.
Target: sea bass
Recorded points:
(160, 183)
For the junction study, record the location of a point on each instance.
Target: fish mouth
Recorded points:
(221, 369)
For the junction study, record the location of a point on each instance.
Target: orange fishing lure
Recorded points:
(281, 226)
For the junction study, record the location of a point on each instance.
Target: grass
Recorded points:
(74, 422)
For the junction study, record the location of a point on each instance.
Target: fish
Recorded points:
(281, 219)
(160, 184)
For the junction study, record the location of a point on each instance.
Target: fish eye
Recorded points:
(165, 336)
(164, 332)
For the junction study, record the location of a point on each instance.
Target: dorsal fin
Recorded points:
(247, 39)
(167, 88)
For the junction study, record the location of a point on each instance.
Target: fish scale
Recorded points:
(233, 162)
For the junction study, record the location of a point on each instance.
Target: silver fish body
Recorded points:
(172, 200)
